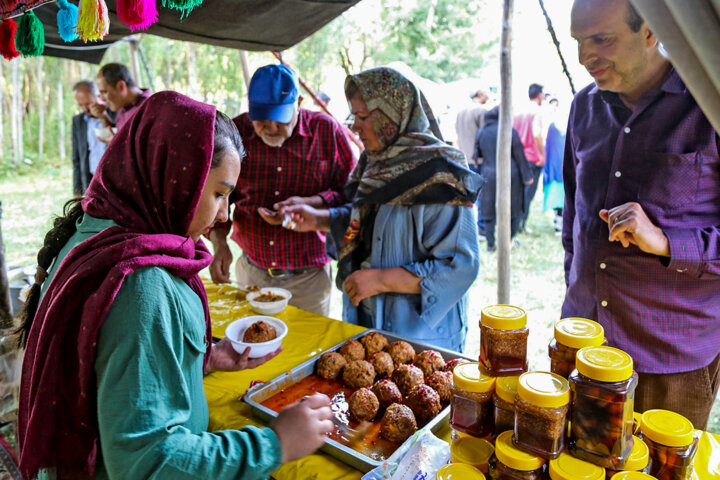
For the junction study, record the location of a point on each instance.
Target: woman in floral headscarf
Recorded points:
(112, 375)
(407, 246)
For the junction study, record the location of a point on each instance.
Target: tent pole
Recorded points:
(134, 64)
(504, 142)
(5, 301)
(557, 46)
(245, 67)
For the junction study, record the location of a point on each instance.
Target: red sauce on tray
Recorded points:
(369, 444)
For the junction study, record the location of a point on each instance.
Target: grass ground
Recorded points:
(537, 283)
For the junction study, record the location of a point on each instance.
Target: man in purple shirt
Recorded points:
(642, 211)
(120, 92)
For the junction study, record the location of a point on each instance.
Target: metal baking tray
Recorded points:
(358, 460)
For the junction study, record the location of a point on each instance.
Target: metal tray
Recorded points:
(262, 392)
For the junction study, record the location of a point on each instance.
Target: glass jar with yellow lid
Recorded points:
(541, 408)
(632, 476)
(572, 334)
(471, 406)
(511, 463)
(603, 386)
(672, 442)
(459, 471)
(637, 461)
(503, 340)
(567, 467)
(504, 400)
(472, 451)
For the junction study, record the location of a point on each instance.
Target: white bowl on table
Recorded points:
(236, 330)
(269, 308)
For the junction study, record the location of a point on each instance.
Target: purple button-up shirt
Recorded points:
(664, 155)
(126, 112)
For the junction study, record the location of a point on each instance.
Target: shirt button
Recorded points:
(272, 263)
(271, 242)
(431, 299)
(618, 174)
(626, 130)
(602, 266)
(277, 193)
(279, 169)
(389, 324)
(604, 303)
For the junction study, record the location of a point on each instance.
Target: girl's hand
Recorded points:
(224, 358)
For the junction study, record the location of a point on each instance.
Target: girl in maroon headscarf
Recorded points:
(112, 375)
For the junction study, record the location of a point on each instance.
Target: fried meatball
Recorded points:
(363, 404)
(383, 363)
(352, 350)
(330, 365)
(454, 363)
(429, 361)
(441, 382)
(259, 332)
(387, 392)
(358, 374)
(401, 352)
(398, 423)
(407, 377)
(374, 342)
(424, 402)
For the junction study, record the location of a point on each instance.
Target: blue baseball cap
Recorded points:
(272, 94)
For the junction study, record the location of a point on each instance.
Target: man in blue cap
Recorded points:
(293, 156)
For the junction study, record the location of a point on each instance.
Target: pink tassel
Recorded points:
(137, 14)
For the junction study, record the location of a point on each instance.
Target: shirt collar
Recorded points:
(302, 128)
(672, 84)
(146, 93)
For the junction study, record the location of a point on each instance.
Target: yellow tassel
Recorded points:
(93, 21)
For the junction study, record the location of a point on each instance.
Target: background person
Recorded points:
(112, 380)
(553, 191)
(293, 156)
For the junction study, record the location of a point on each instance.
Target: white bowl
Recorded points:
(235, 331)
(269, 308)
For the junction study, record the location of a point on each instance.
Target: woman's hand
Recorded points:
(303, 426)
(224, 358)
(307, 218)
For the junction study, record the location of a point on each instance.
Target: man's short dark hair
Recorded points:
(114, 72)
(633, 18)
(535, 90)
(86, 84)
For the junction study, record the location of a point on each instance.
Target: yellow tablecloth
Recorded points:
(310, 334)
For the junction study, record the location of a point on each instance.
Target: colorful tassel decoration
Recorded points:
(185, 6)
(7, 39)
(137, 14)
(67, 20)
(93, 20)
(30, 35)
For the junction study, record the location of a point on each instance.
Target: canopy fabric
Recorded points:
(690, 32)
(256, 25)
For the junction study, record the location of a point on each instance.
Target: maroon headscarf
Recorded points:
(149, 182)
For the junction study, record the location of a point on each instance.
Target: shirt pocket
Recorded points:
(195, 342)
(671, 180)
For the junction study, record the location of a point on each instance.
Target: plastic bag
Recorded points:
(418, 458)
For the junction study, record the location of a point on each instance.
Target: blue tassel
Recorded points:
(67, 20)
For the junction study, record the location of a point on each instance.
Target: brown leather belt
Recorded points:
(280, 272)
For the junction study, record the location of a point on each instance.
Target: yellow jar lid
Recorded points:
(639, 456)
(467, 376)
(605, 364)
(503, 317)
(544, 389)
(579, 333)
(637, 417)
(471, 450)
(506, 388)
(511, 456)
(632, 476)
(459, 471)
(667, 428)
(567, 467)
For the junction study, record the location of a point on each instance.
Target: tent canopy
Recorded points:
(256, 25)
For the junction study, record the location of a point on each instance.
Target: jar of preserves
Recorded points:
(603, 386)
(504, 400)
(637, 461)
(472, 451)
(567, 467)
(672, 443)
(510, 463)
(572, 334)
(503, 340)
(541, 408)
(471, 406)
(459, 471)
(632, 476)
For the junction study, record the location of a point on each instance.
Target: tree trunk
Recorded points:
(245, 68)
(41, 108)
(190, 60)
(504, 142)
(16, 114)
(2, 114)
(5, 305)
(61, 119)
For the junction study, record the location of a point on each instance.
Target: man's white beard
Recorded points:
(272, 141)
